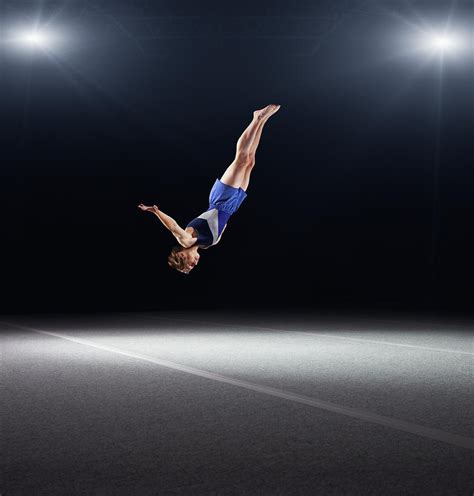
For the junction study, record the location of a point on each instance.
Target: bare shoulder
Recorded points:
(187, 237)
(187, 242)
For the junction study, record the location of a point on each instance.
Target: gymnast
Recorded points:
(225, 198)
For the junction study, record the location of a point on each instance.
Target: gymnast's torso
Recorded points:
(208, 227)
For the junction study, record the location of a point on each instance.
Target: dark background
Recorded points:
(362, 191)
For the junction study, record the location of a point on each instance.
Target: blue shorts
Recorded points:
(225, 197)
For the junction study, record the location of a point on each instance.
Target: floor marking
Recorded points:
(401, 425)
(310, 333)
(419, 323)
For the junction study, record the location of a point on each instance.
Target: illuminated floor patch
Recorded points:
(436, 434)
(313, 333)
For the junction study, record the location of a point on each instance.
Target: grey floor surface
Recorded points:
(235, 404)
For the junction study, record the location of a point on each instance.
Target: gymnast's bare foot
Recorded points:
(266, 112)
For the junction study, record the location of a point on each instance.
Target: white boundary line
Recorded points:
(307, 333)
(401, 425)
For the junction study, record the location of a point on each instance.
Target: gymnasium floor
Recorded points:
(222, 403)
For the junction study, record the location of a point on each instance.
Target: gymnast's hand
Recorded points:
(146, 208)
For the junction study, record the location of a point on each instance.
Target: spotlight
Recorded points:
(36, 38)
(442, 43)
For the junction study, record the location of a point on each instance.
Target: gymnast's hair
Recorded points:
(177, 262)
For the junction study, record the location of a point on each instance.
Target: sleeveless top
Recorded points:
(209, 226)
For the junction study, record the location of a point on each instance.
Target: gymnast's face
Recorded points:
(190, 258)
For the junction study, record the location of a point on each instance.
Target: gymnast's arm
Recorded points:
(184, 238)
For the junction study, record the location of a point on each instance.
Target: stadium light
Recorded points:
(433, 42)
(34, 39)
(442, 43)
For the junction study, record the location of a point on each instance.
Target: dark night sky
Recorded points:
(144, 102)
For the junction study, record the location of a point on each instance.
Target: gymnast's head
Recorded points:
(183, 259)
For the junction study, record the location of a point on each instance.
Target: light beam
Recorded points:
(35, 39)
(442, 43)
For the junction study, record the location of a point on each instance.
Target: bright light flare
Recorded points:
(433, 43)
(443, 43)
(38, 39)
(35, 38)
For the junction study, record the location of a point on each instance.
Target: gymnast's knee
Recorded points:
(245, 160)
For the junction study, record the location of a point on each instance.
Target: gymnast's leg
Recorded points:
(253, 150)
(238, 172)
